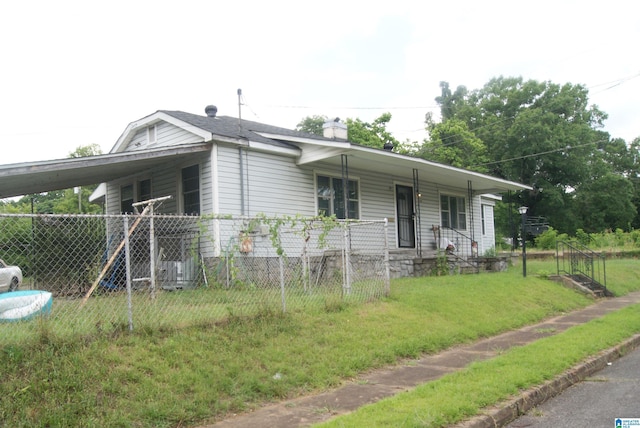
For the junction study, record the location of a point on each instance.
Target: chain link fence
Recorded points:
(111, 273)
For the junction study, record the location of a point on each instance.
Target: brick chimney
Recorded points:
(335, 129)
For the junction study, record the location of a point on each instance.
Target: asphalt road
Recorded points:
(598, 401)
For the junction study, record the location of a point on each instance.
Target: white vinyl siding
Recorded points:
(164, 134)
(165, 180)
(228, 180)
(170, 135)
(278, 186)
(273, 184)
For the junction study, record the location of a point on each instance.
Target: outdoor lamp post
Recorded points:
(523, 213)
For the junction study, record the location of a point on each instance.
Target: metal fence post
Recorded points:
(347, 260)
(152, 252)
(387, 274)
(282, 293)
(127, 256)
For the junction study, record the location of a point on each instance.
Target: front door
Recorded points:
(405, 217)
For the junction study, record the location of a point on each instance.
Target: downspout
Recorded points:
(215, 190)
(241, 165)
(346, 280)
(471, 211)
(416, 204)
(240, 135)
(345, 185)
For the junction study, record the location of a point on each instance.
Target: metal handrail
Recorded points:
(576, 259)
(463, 243)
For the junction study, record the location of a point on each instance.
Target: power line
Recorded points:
(473, 130)
(566, 148)
(614, 83)
(352, 108)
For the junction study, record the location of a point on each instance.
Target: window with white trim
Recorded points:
(453, 212)
(330, 196)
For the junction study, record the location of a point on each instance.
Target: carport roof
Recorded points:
(37, 177)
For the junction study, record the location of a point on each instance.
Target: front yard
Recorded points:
(185, 376)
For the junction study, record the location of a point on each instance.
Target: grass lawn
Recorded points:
(460, 395)
(192, 375)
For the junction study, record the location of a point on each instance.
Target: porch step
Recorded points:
(596, 288)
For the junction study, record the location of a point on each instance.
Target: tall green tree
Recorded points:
(538, 133)
(601, 208)
(633, 174)
(451, 102)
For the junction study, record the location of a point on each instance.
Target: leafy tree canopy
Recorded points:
(602, 208)
(452, 143)
(372, 134)
(312, 125)
(542, 134)
(84, 151)
(532, 130)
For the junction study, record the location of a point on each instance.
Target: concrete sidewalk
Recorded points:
(379, 384)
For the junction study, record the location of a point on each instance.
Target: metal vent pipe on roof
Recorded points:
(211, 110)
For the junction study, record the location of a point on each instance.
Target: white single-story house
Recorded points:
(232, 166)
(219, 165)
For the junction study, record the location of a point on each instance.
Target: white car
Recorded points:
(10, 277)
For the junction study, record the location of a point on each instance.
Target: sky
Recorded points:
(76, 73)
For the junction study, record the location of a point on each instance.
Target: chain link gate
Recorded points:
(173, 271)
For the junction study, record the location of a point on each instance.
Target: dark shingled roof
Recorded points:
(232, 127)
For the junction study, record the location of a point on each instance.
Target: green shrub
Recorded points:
(583, 237)
(501, 243)
(490, 252)
(599, 240)
(547, 239)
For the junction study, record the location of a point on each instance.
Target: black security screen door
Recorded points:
(404, 212)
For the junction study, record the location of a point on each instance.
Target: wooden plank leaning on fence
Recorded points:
(106, 267)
